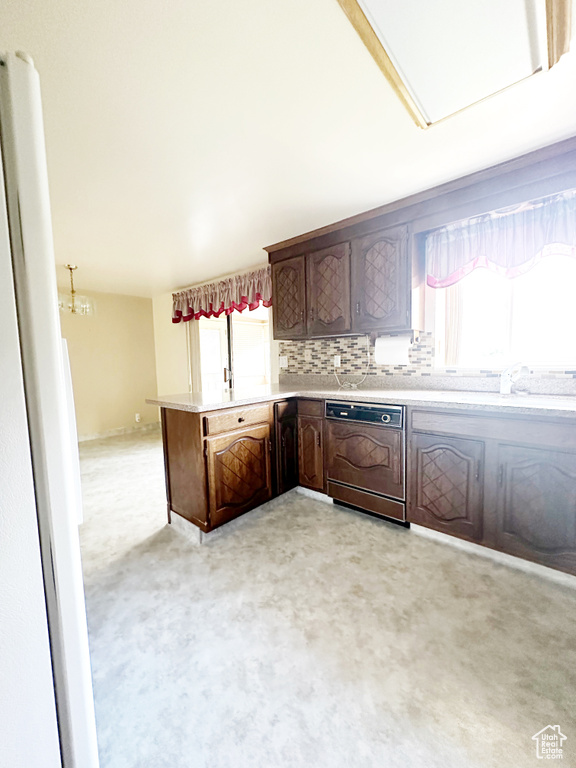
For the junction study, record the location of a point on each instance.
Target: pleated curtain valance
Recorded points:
(510, 241)
(223, 297)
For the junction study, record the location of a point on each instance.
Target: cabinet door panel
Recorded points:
(289, 298)
(328, 290)
(238, 466)
(287, 454)
(446, 484)
(366, 457)
(310, 452)
(381, 281)
(537, 505)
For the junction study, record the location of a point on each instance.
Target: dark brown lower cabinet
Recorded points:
(311, 452)
(286, 425)
(506, 482)
(446, 476)
(537, 505)
(239, 472)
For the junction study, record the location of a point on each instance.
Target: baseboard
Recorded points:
(120, 431)
(317, 495)
(566, 579)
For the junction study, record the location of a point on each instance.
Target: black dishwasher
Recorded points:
(365, 457)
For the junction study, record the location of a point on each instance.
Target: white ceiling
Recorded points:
(184, 136)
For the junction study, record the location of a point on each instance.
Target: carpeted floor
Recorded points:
(309, 636)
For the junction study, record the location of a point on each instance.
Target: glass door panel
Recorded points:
(250, 348)
(213, 352)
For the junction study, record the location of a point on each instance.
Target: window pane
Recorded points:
(251, 348)
(492, 321)
(485, 320)
(544, 313)
(213, 352)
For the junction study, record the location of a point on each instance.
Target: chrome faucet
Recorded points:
(510, 375)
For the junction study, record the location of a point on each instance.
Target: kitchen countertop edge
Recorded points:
(535, 405)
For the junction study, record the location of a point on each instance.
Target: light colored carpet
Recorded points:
(309, 635)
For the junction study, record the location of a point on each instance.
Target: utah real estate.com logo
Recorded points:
(549, 743)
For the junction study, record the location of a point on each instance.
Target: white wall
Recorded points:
(171, 351)
(113, 364)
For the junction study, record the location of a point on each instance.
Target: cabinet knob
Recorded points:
(241, 419)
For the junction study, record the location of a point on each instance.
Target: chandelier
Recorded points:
(74, 303)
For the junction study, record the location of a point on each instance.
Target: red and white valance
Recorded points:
(510, 241)
(233, 293)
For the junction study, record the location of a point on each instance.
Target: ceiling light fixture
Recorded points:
(75, 304)
(441, 58)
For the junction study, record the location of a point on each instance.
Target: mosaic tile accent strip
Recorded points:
(316, 356)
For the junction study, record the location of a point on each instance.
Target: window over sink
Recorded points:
(502, 287)
(489, 321)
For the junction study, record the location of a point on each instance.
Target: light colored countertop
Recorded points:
(544, 405)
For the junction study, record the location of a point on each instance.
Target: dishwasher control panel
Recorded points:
(368, 413)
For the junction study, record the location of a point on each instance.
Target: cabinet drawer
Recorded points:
(311, 407)
(237, 418)
(537, 430)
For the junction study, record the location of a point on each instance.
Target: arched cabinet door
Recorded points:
(381, 281)
(239, 477)
(446, 477)
(537, 505)
(289, 298)
(311, 452)
(328, 290)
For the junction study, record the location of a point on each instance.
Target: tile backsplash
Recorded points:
(316, 358)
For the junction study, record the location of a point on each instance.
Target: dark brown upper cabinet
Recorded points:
(385, 242)
(289, 298)
(328, 291)
(381, 281)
